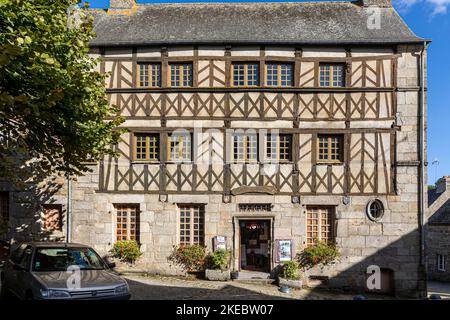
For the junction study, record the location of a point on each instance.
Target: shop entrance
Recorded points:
(255, 245)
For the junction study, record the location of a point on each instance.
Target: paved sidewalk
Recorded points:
(175, 288)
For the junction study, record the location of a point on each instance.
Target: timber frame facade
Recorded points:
(369, 95)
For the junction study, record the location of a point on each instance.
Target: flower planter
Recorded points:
(217, 275)
(283, 282)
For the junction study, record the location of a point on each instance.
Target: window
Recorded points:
(4, 207)
(192, 223)
(246, 74)
(181, 74)
(278, 147)
(279, 75)
(146, 146)
(179, 147)
(51, 219)
(127, 226)
(440, 262)
(26, 258)
(255, 207)
(245, 147)
(332, 75)
(149, 74)
(329, 148)
(319, 225)
(375, 210)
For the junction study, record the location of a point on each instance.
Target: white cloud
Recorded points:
(438, 6)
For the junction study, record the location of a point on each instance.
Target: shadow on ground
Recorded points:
(148, 291)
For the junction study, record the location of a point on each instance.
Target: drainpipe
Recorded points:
(422, 154)
(69, 209)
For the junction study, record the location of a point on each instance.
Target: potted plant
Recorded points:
(290, 275)
(190, 258)
(217, 269)
(319, 255)
(126, 251)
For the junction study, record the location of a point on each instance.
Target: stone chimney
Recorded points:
(377, 3)
(443, 184)
(121, 4)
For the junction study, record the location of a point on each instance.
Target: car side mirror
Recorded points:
(111, 265)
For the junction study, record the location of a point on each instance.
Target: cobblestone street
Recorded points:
(174, 288)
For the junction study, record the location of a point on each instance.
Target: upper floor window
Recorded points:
(181, 74)
(278, 147)
(329, 148)
(245, 147)
(149, 75)
(279, 75)
(179, 147)
(246, 74)
(146, 146)
(332, 75)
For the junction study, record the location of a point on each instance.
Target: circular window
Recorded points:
(375, 210)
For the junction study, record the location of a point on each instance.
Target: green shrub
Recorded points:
(291, 270)
(218, 260)
(320, 253)
(190, 258)
(126, 250)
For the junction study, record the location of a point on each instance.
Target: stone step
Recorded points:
(254, 276)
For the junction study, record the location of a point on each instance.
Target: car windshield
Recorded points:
(60, 259)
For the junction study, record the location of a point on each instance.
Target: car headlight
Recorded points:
(122, 289)
(55, 294)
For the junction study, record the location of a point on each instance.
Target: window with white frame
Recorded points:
(179, 147)
(441, 262)
(245, 147)
(278, 147)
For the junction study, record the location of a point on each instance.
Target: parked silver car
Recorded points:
(51, 270)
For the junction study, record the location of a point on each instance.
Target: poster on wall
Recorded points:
(284, 250)
(220, 243)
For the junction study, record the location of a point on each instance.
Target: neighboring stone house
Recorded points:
(438, 231)
(270, 124)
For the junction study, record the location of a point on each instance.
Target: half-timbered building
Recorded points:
(273, 125)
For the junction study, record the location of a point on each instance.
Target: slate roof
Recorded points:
(442, 214)
(250, 23)
(440, 217)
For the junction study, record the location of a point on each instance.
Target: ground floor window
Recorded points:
(192, 224)
(440, 262)
(127, 226)
(51, 217)
(4, 207)
(319, 225)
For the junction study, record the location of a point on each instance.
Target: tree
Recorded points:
(53, 103)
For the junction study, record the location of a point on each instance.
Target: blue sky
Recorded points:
(429, 19)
